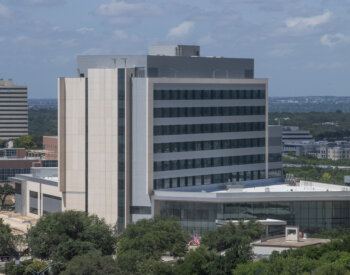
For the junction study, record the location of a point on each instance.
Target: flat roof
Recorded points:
(257, 191)
(281, 242)
(303, 186)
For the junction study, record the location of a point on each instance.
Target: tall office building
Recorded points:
(13, 110)
(130, 126)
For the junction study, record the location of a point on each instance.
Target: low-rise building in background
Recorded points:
(37, 193)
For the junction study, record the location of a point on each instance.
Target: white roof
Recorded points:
(303, 186)
(303, 191)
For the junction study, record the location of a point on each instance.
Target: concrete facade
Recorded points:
(72, 142)
(102, 149)
(37, 193)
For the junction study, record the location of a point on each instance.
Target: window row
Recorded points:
(11, 172)
(275, 173)
(208, 94)
(144, 210)
(208, 179)
(208, 128)
(208, 145)
(275, 157)
(121, 144)
(207, 162)
(209, 111)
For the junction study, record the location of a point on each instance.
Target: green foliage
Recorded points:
(12, 269)
(42, 122)
(149, 239)
(92, 263)
(23, 267)
(205, 261)
(316, 174)
(199, 261)
(332, 269)
(338, 233)
(6, 240)
(312, 160)
(3, 143)
(233, 240)
(27, 142)
(62, 236)
(155, 268)
(331, 258)
(5, 191)
(153, 237)
(229, 235)
(312, 121)
(36, 266)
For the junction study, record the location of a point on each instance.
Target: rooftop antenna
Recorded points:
(115, 62)
(124, 58)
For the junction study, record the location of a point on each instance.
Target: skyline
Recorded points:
(302, 48)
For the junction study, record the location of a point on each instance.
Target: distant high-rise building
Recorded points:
(13, 110)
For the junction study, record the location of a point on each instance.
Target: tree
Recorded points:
(332, 269)
(62, 236)
(6, 244)
(37, 266)
(25, 142)
(199, 262)
(229, 235)
(5, 191)
(149, 239)
(92, 263)
(156, 268)
(153, 237)
(25, 267)
(3, 143)
(42, 122)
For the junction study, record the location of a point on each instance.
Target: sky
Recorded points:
(302, 47)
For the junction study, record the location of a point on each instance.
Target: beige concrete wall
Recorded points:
(71, 149)
(103, 143)
(45, 189)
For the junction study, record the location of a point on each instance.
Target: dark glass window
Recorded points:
(206, 111)
(208, 94)
(207, 145)
(18, 188)
(208, 128)
(207, 162)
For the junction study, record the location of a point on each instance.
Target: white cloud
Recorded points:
(4, 11)
(121, 34)
(56, 29)
(84, 30)
(322, 66)
(281, 50)
(331, 40)
(301, 23)
(39, 2)
(68, 43)
(124, 12)
(123, 8)
(93, 51)
(181, 30)
(206, 40)
(61, 60)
